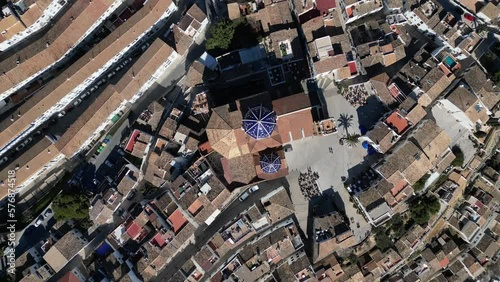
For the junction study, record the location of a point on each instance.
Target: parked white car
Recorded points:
(39, 221)
(253, 188)
(244, 196)
(4, 160)
(77, 102)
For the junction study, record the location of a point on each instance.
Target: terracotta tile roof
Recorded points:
(195, 73)
(89, 63)
(107, 102)
(217, 188)
(164, 160)
(189, 197)
(233, 10)
(324, 5)
(462, 98)
(203, 256)
(431, 139)
(89, 121)
(426, 133)
(416, 114)
(428, 255)
(431, 78)
(472, 5)
(69, 245)
(125, 185)
(168, 128)
(29, 162)
(286, 34)
(182, 40)
(301, 5)
(155, 175)
(143, 69)
(434, 85)
(402, 248)
(192, 143)
(16, 28)
(371, 60)
(196, 13)
(400, 159)
(489, 98)
(8, 22)
(239, 169)
(276, 14)
(195, 207)
(291, 103)
(177, 220)
(490, 10)
(417, 169)
(156, 110)
(60, 24)
(397, 121)
(314, 29)
(477, 79)
(370, 199)
(73, 32)
(390, 59)
(278, 205)
(331, 63)
(223, 129)
(380, 83)
(33, 13)
(382, 136)
(297, 125)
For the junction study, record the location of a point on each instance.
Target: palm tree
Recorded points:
(340, 88)
(351, 140)
(346, 122)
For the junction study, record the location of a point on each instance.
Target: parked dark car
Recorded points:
(131, 194)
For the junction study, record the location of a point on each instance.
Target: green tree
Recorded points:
(419, 214)
(382, 240)
(420, 184)
(397, 226)
(481, 27)
(459, 160)
(221, 35)
(353, 259)
(433, 204)
(70, 206)
(496, 78)
(351, 140)
(422, 208)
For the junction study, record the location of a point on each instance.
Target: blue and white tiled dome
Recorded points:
(259, 122)
(270, 163)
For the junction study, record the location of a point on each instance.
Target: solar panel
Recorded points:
(259, 122)
(270, 163)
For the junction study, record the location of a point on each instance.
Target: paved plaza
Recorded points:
(332, 168)
(334, 163)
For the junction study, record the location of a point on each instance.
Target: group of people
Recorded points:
(308, 183)
(357, 95)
